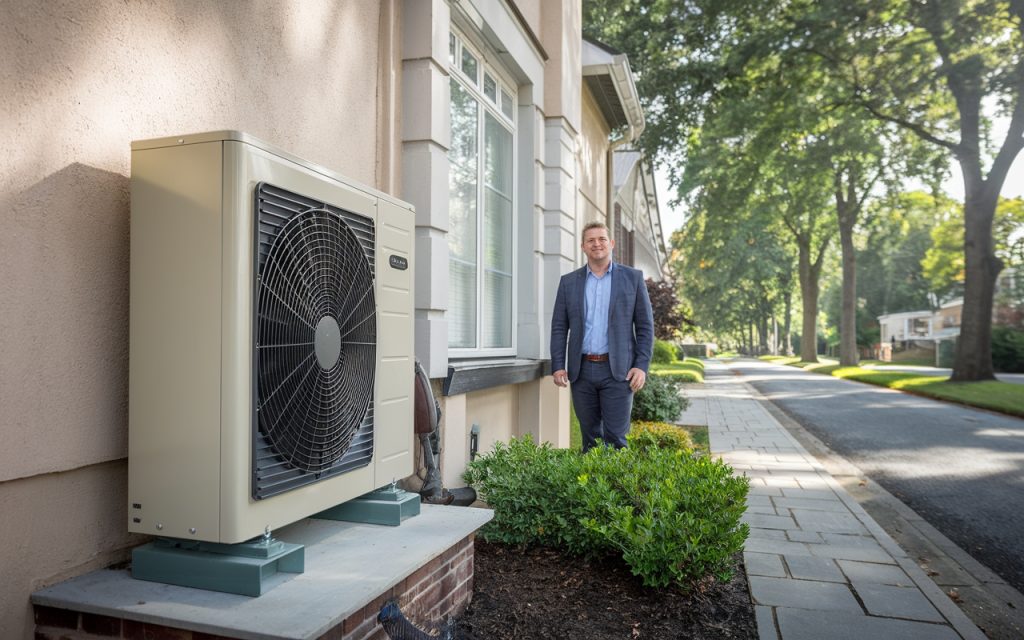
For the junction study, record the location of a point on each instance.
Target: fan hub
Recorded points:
(327, 342)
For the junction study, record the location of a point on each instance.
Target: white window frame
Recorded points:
(486, 66)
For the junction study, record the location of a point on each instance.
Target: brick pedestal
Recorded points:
(428, 597)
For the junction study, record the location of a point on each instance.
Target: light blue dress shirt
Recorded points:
(597, 293)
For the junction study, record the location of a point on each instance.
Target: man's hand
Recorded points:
(636, 378)
(561, 378)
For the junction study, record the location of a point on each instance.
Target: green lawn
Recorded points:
(1003, 397)
(575, 437)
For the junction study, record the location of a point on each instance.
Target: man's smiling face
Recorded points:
(597, 245)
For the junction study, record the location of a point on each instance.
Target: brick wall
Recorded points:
(441, 588)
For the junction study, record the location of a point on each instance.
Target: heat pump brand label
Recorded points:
(398, 262)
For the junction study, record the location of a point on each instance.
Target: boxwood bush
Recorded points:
(672, 517)
(660, 400)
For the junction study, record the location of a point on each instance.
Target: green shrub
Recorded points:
(659, 434)
(660, 400)
(664, 353)
(1008, 350)
(529, 487)
(674, 518)
(671, 517)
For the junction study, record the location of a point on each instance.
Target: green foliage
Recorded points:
(943, 263)
(531, 490)
(659, 434)
(664, 353)
(788, 116)
(1008, 350)
(660, 400)
(672, 517)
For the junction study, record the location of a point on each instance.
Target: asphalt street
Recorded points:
(961, 469)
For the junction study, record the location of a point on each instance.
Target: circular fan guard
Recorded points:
(316, 337)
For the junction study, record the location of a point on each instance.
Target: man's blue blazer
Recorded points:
(630, 323)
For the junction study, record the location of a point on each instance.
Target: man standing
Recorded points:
(603, 319)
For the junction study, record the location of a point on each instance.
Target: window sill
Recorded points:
(474, 375)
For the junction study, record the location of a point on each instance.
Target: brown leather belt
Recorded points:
(596, 357)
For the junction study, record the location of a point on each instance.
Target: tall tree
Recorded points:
(926, 66)
(950, 57)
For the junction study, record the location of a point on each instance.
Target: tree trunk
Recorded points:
(973, 360)
(809, 295)
(788, 300)
(848, 317)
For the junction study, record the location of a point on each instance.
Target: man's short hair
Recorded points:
(596, 224)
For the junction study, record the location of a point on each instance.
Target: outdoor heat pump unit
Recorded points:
(271, 338)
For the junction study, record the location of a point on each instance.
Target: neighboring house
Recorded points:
(492, 117)
(637, 216)
(917, 334)
(921, 325)
(907, 328)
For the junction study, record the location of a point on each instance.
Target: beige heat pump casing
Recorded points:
(191, 387)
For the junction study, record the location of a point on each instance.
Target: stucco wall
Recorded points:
(82, 79)
(592, 165)
(561, 33)
(494, 410)
(537, 408)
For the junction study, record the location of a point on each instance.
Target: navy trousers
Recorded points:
(602, 404)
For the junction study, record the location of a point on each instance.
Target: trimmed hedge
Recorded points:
(671, 516)
(664, 353)
(659, 434)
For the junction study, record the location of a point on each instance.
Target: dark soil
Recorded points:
(542, 594)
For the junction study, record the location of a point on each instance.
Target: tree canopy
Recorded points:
(725, 71)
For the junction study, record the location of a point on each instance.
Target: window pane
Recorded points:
(497, 310)
(451, 48)
(469, 65)
(490, 88)
(463, 159)
(497, 231)
(498, 167)
(506, 103)
(461, 305)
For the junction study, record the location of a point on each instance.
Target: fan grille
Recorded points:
(315, 354)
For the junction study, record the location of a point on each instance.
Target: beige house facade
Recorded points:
(477, 112)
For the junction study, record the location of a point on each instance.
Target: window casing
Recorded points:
(481, 238)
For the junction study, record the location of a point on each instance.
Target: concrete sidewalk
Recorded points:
(818, 565)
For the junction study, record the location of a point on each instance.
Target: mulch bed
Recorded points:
(540, 594)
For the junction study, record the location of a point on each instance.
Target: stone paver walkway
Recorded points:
(819, 566)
